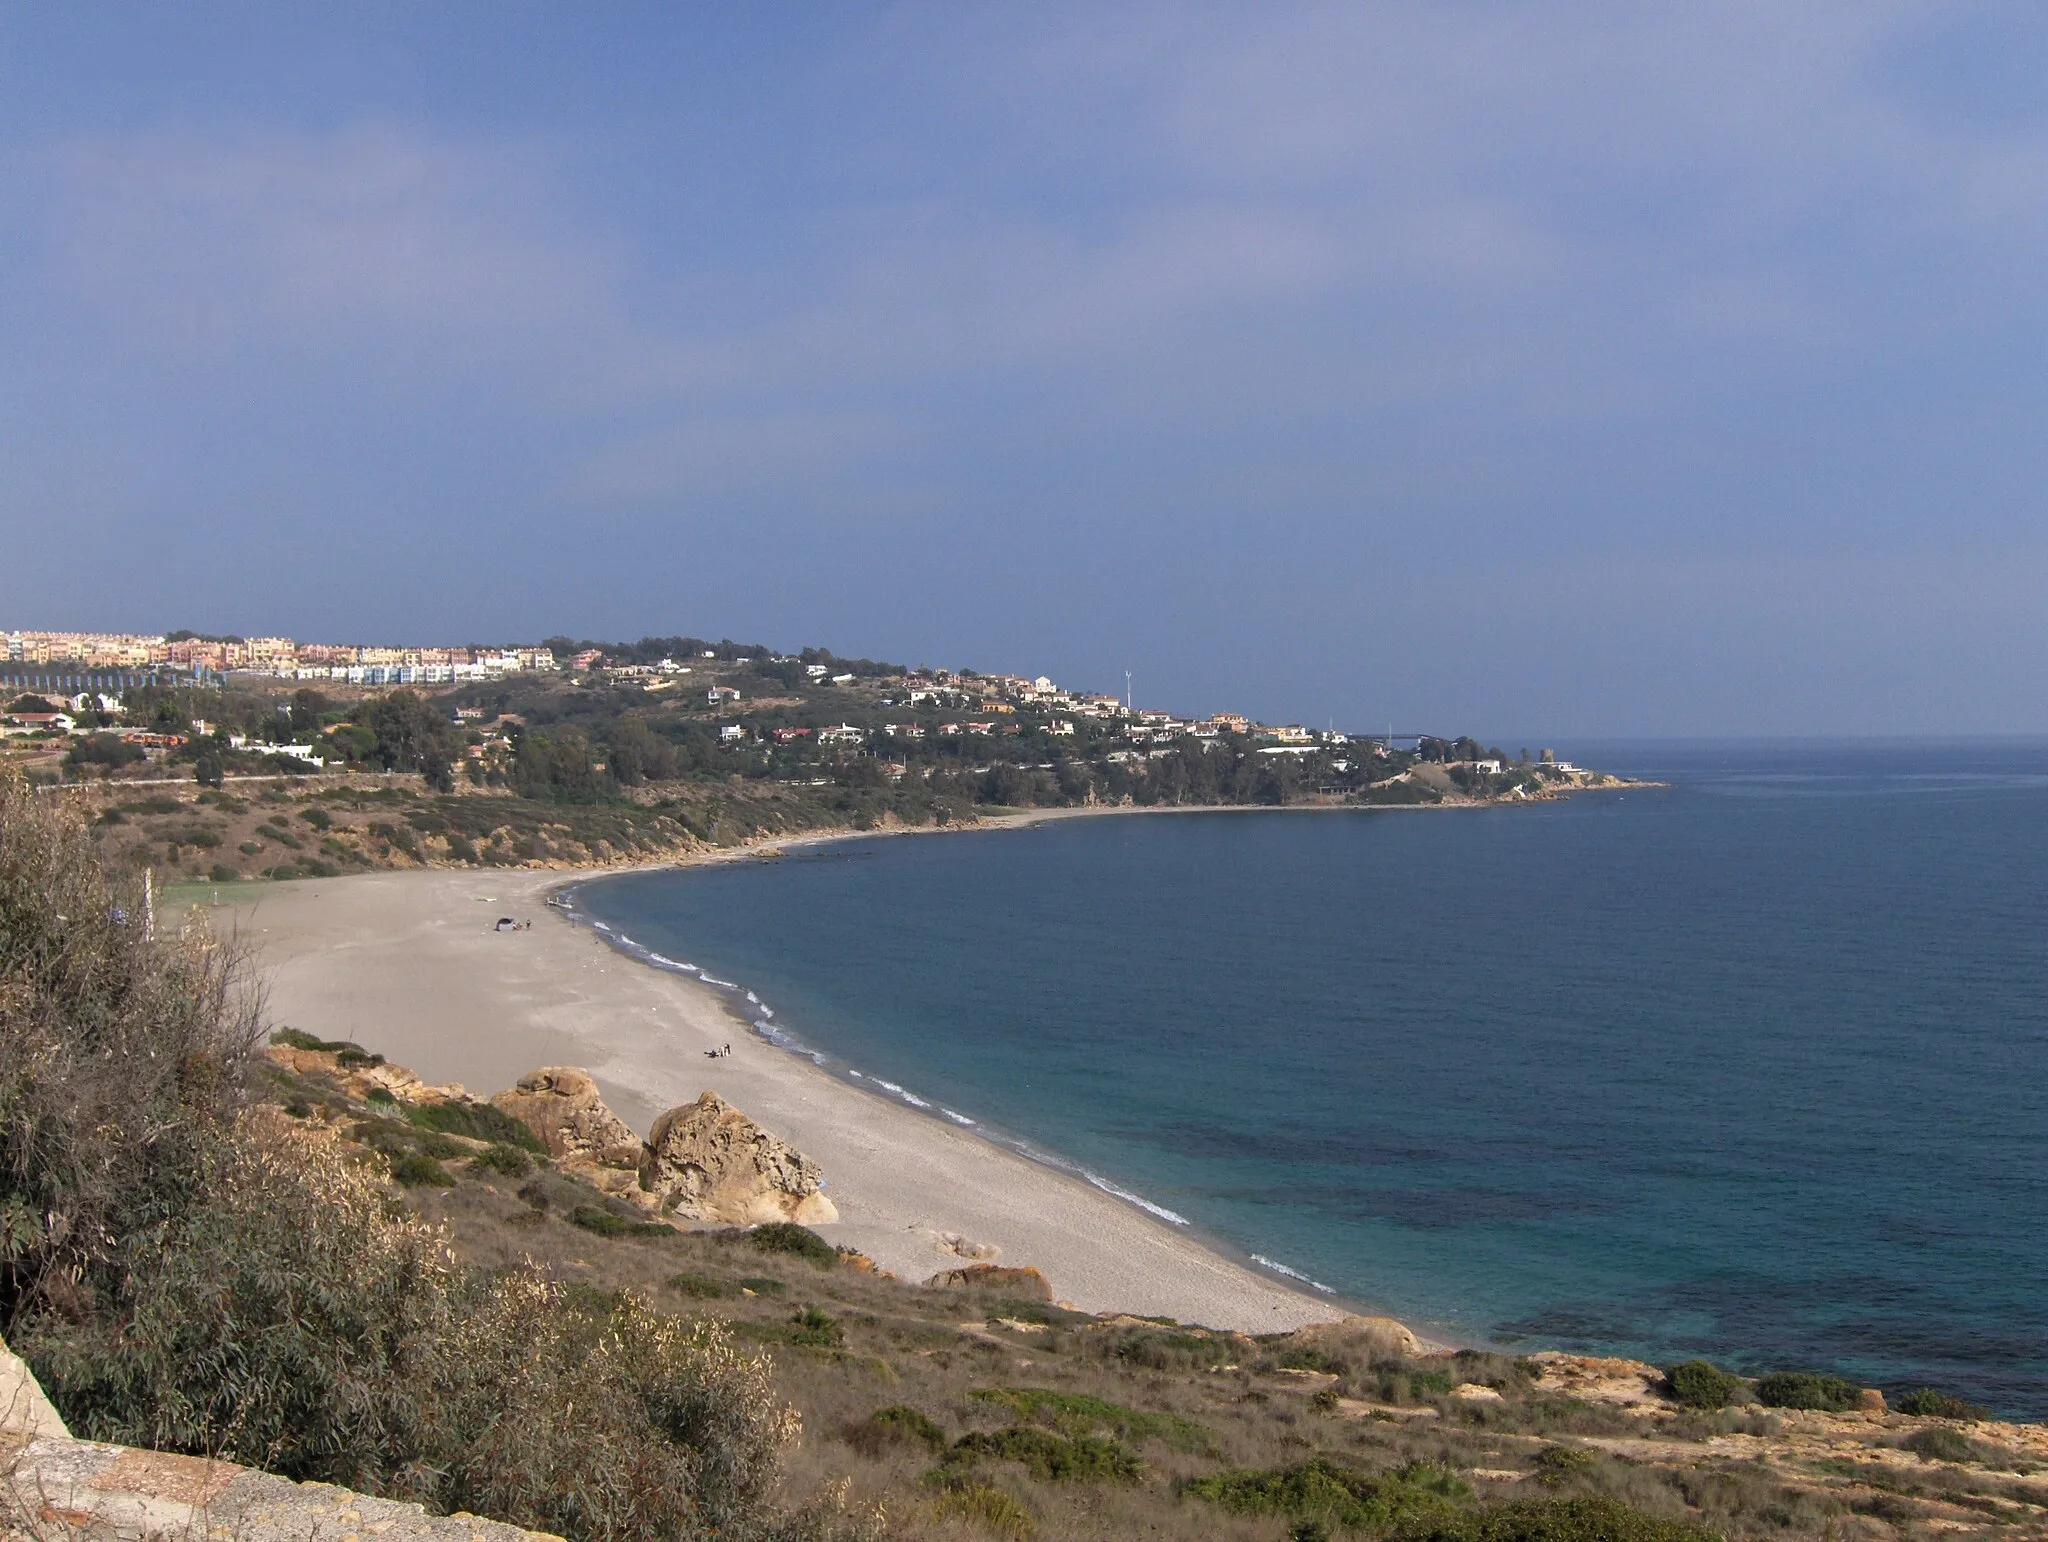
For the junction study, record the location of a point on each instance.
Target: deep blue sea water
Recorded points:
(1755, 1066)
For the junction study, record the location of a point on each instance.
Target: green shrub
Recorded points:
(898, 1424)
(607, 1223)
(1307, 1357)
(798, 1241)
(417, 1171)
(985, 1507)
(356, 1351)
(1702, 1384)
(380, 1095)
(123, 1064)
(1558, 1465)
(1161, 1350)
(475, 1121)
(1807, 1389)
(506, 1161)
(1074, 1413)
(219, 874)
(702, 1287)
(1051, 1458)
(318, 818)
(761, 1285)
(1583, 1519)
(1939, 1443)
(296, 1038)
(814, 1329)
(1933, 1403)
(1329, 1491)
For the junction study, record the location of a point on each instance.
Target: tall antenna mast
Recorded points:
(1127, 690)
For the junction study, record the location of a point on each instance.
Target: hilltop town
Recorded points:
(569, 752)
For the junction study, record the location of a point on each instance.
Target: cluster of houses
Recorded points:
(997, 705)
(280, 657)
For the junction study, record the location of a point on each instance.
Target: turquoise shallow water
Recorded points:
(1754, 1067)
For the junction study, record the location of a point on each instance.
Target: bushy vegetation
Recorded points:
(797, 1241)
(609, 1223)
(190, 1271)
(1702, 1384)
(1933, 1403)
(1335, 1494)
(1049, 1457)
(1076, 1413)
(474, 1121)
(1808, 1389)
(1585, 1519)
(122, 1066)
(897, 1425)
(1941, 1444)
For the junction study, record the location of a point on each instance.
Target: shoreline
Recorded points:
(408, 965)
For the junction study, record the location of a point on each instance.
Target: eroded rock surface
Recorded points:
(707, 1161)
(566, 1112)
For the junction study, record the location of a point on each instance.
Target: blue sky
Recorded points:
(1529, 370)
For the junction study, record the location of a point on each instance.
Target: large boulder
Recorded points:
(564, 1109)
(707, 1161)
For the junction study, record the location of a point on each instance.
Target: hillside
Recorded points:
(992, 1410)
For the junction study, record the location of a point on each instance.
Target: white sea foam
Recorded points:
(766, 1010)
(724, 985)
(1293, 1274)
(669, 963)
(753, 998)
(1139, 1200)
(600, 926)
(956, 1118)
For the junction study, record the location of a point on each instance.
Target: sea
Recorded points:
(1751, 1066)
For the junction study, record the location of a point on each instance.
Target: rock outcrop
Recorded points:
(707, 1161)
(566, 1112)
(1363, 1339)
(1026, 1283)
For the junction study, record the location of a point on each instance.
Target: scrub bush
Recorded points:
(1940, 1444)
(418, 1171)
(1933, 1403)
(506, 1161)
(798, 1241)
(185, 1274)
(359, 1352)
(1320, 1489)
(1808, 1389)
(122, 1064)
(1702, 1384)
(986, 1508)
(1050, 1458)
(897, 1425)
(1551, 1520)
(474, 1121)
(606, 1223)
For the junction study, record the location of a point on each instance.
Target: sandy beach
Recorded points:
(408, 964)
